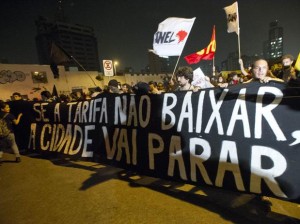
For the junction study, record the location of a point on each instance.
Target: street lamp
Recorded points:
(115, 66)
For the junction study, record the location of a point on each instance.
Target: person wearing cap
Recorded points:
(113, 86)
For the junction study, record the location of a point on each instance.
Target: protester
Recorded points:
(9, 140)
(261, 73)
(243, 70)
(113, 86)
(16, 96)
(172, 84)
(64, 98)
(141, 88)
(184, 77)
(161, 87)
(287, 72)
(17, 106)
(220, 81)
(126, 88)
(153, 89)
(96, 92)
(234, 78)
(46, 96)
(78, 95)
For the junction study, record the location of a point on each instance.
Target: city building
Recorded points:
(232, 61)
(273, 47)
(76, 40)
(160, 65)
(272, 50)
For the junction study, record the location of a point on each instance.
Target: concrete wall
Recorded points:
(30, 80)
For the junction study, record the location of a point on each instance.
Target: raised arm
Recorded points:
(244, 72)
(17, 121)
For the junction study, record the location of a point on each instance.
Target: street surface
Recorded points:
(55, 190)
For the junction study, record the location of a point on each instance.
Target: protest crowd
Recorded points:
(183, 79)
(83, 119)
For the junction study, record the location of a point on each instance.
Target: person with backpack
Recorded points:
(7, 136)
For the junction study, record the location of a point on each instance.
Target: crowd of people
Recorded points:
(182, 80)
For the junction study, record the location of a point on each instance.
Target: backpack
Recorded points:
(4, 130)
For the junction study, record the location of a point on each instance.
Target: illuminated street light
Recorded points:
(115, 66)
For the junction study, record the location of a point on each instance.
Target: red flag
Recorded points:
(206, 53)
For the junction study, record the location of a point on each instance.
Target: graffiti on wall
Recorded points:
(7, 76)
(39, 77)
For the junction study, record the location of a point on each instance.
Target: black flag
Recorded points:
(54, 91)
(57, 57)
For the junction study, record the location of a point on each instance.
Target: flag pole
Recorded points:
(239, 41)
(178, 60)
(77, 62)
(175, 66)
(214, 68)
(183, 35)
(239, 44)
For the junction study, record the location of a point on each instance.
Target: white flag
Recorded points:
(171, 36)
(232, 15)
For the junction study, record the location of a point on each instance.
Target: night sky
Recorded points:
(125, 28)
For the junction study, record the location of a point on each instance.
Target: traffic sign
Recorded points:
(108, 68)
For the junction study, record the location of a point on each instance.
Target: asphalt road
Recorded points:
(41, 191)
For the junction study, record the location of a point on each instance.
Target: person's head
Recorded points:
(184, 75)
(17, 96)
(260, 69)
(45, 95)
(64, 98)
(152, 85)
(220, 79)
(234, 76)
(160, 86)
(126, 88)
(141, 88)
(98, 89)
(287, 60)
(113, 86)
(4, 107)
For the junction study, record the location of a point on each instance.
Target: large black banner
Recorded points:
(244, 138)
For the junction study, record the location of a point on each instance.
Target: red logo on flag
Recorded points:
(181, 35)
